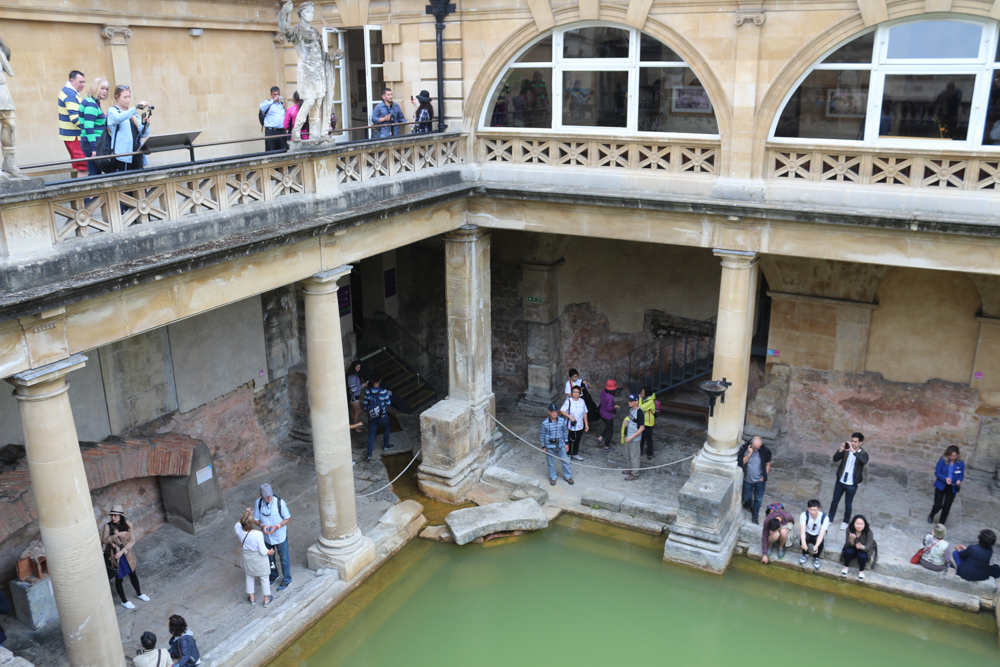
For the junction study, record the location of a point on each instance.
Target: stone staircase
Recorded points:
(410, 392)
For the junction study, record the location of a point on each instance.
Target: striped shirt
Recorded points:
(553, 430)
(92, 119)
(69, 114)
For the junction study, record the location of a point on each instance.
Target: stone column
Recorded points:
(456, 433)
(66, 515)
(117, 38)
(341, 544)
(708, 515)
(539, 290)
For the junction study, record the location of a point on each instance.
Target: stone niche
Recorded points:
(193, 503)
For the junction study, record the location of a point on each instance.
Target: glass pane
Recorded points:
(539, 53)
(671, 99)
(991, 137)
(653, 50)
(935, 39)
(377, 51)
(856, 51)
(926, 106)
(595, 99)
(522, 99)
(597, 42)
(830, 104)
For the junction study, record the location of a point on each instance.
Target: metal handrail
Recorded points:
(381, 316)
(657, 362)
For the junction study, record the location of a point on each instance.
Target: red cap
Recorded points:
(610, 385)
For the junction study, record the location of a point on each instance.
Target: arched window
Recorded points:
(593, 78)
(927, 83)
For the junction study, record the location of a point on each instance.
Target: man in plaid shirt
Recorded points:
(554, 437)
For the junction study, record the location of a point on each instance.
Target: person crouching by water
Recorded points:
(860, 544)
(183, 648)
(254, 556)
(554, 437)
(118, 539)
(775, 531)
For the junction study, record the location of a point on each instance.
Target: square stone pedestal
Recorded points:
(34, 602)
(193, 503)
(347, 563)
(707, 525)
(451, 441)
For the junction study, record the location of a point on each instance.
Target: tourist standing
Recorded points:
(69, 118)
(574, 381)
(273, 112)
(814, 524)
(554, 438)
(647, 401)
(607, 411)
(126, 134)
(355, 388)
(386, 114)
(291, 113)
(775, 531)
(376, 404)
(93, 121)
(424, 117)
(150, 656)
(575, 410)
(271, 513)
(183, 648)
(948, 474)
(254, 556)
(852, 459)
(860, 544)
(972, 563)
(936, 553)
(118, 539)
(632, 428)
(754, 458)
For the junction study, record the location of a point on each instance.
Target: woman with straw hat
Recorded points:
(118, 540)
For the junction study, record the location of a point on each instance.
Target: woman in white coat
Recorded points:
(253, 556)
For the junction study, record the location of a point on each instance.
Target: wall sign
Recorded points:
(344, 300)
(203, 475)
(390, 282)
(534, 299)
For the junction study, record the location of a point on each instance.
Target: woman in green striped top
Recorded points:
(93, 121)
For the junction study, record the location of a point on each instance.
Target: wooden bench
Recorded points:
(685, 408)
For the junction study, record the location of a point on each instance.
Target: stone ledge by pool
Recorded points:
(467, 524)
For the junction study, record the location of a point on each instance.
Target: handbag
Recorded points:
(920, 553)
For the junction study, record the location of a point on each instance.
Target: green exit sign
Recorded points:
(534, 299)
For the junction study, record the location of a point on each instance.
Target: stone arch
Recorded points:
(925, 326)
(807, 56)
(564, 17)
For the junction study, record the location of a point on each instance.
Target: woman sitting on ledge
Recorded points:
(973, 563)
(936, 550)
(860, 544)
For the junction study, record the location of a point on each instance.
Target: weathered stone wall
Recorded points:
(509, 332)
(281, 330)
(589, 345)
(420, 277)
(138, 379)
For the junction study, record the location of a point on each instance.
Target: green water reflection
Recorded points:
(581, 593)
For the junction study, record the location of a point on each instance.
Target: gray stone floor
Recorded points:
(199, 577)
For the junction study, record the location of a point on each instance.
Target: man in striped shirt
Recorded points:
(69, 118)
(554, 436)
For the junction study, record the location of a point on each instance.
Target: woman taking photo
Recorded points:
(424, 117)
(118, 539)
(253, 556)
(93, 121)
(948, 473)
(126, 133)
(860, 544)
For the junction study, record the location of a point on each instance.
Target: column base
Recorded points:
(449, 485)
(708, 520)
(347, 556)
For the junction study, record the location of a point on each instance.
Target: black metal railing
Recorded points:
(685, 353)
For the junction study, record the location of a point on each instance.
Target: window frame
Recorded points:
(560, 64)
(982, 67)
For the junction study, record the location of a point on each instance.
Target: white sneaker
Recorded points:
(843, 525)
(144, 597)
(577, 457)
(128, 605)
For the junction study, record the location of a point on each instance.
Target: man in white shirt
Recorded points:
(852, 459)
(814, 526)
(575, 410)
(271, 513)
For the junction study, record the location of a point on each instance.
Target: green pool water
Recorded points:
(580, 593)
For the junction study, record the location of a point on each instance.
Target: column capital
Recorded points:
(466, 233)
(328, 281)
(736, 259)
(48, 373)
(116, 34)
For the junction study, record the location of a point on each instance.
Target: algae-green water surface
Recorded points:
(580, 593)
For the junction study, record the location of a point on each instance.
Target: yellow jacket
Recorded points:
(648, 406)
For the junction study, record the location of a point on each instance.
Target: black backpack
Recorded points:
(106, 152)
(261, 115)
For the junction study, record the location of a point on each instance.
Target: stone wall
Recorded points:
(588, 345)
(420, 276)
(509, 333)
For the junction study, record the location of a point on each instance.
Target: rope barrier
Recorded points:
(365, 495)
(582, 465)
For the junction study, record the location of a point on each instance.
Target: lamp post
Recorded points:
(440, 9)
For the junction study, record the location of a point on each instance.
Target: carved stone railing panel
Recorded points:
(384, 161)
(81, 216)
(639, 154)
(143, 205)
(286, 180)
(880, 167)
(198, 195)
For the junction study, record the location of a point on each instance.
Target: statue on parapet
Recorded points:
(10, 169)
(315, 70)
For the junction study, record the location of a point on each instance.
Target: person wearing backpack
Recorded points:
(814, 526)
(648, 403)
(271, 115)
(271, 513)
(376, 404)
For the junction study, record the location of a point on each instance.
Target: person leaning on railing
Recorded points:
(387, 114)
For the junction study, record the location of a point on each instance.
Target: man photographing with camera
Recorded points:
(852, 459)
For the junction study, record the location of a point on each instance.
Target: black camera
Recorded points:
(553, 441)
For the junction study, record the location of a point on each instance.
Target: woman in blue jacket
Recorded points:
(125, 131)
(949, 473)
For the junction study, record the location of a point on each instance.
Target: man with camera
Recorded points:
(272, 118)
(149, 655)
(554, 437)
(852, 459)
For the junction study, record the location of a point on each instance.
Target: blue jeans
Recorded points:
(850, 553)
(373, 425)
(848, 491)
(560, 452)
(280, 552)
(753, 495)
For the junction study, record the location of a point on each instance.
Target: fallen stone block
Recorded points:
(8, 659)
(603, 499)
(508, 478)
(402, 514)
(468, 524)
(640, 510)
(437, 534)
(539, 495)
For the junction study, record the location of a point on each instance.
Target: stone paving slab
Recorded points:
(467, 524)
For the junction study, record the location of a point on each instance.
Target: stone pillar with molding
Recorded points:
(708, 514)
(66, 515)
(117, 37)
(341, 544)
(456, 434)
(539, 290)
